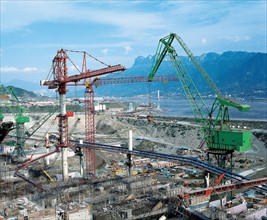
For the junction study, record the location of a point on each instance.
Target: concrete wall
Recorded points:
(218, 203)
(47, 214)
(237, 209)
(199, 199)
(80, 213)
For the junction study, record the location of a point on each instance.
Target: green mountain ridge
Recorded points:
(22, 93)
(237, 73)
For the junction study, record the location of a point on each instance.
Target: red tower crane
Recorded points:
(90, 110)
(60, 81)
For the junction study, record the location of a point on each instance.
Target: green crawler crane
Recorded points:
(218, 133)
(20, 120)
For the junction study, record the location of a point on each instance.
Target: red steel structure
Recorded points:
(60, 82)
(227, 188)
(90, 129)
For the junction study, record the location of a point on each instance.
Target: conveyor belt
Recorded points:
(188, 160)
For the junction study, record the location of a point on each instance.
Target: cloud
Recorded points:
(203, 40)
(29, 69)
(105, 51)
(236, 38)
(140, 21)
(18, 15)
(104, 27)
(12, 69)
(1, 52)
(127, 49)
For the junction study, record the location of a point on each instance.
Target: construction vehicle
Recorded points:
(124, 172)
(150, 119)
(218, 133)
(43, 171)
(48, 176)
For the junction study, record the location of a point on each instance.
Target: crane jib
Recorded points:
(228, 102)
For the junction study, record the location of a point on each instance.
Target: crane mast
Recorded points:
(90, 129)
(60, 81)
(217, 132)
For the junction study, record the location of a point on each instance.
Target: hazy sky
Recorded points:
(119, 31)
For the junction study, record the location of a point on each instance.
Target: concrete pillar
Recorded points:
(207, 180)
(64, 150)
(129, 155)
(158, 107)
(130, 140)
(81, 161)
(47, 148)
(65, 171)
(47, 158)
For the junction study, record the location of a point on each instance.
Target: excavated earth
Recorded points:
(165, 135)
(171, 135)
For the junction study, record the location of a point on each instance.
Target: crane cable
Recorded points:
(77, 51)
(74, 51)
(49, 75)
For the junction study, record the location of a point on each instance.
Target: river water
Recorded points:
(177, 106)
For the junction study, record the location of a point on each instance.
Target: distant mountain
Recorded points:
(23, 93)
(29, 86)
(237, 73)
(23, 84)
(240, 74)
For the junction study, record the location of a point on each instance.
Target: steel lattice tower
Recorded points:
(90, 131)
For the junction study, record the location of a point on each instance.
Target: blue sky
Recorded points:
(119, 31)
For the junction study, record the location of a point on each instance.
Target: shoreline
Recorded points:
(192, 118)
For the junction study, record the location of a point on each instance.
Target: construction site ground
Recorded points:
(170, 135)
(166, 135)
(176, 136)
